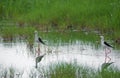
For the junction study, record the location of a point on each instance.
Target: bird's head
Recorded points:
(102, 37)
(35, 31)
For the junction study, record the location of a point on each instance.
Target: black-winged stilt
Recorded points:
(107, 48)
(38, 40)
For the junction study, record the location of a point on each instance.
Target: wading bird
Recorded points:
(38, 40)
(107, 48)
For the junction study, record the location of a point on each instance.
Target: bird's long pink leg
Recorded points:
(105, 59)
(107, 51)
(105, 55)
(109, 59)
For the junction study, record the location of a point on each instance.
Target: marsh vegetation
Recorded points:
(90, 15)
(71, 30)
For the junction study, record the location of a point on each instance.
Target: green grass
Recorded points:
(97, 14)
(9, 33)
(69, 37)
(53, 36)
(70, 70)
(62, 70)
(89, 15)
(65, 70)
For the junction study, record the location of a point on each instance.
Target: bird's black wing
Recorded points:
(108, 44)
(40, 40)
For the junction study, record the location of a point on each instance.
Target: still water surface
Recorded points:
(18, 55)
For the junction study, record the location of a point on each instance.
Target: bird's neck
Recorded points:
(36, 37)
(102, 41)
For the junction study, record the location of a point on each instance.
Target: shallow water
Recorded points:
(19, 57)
